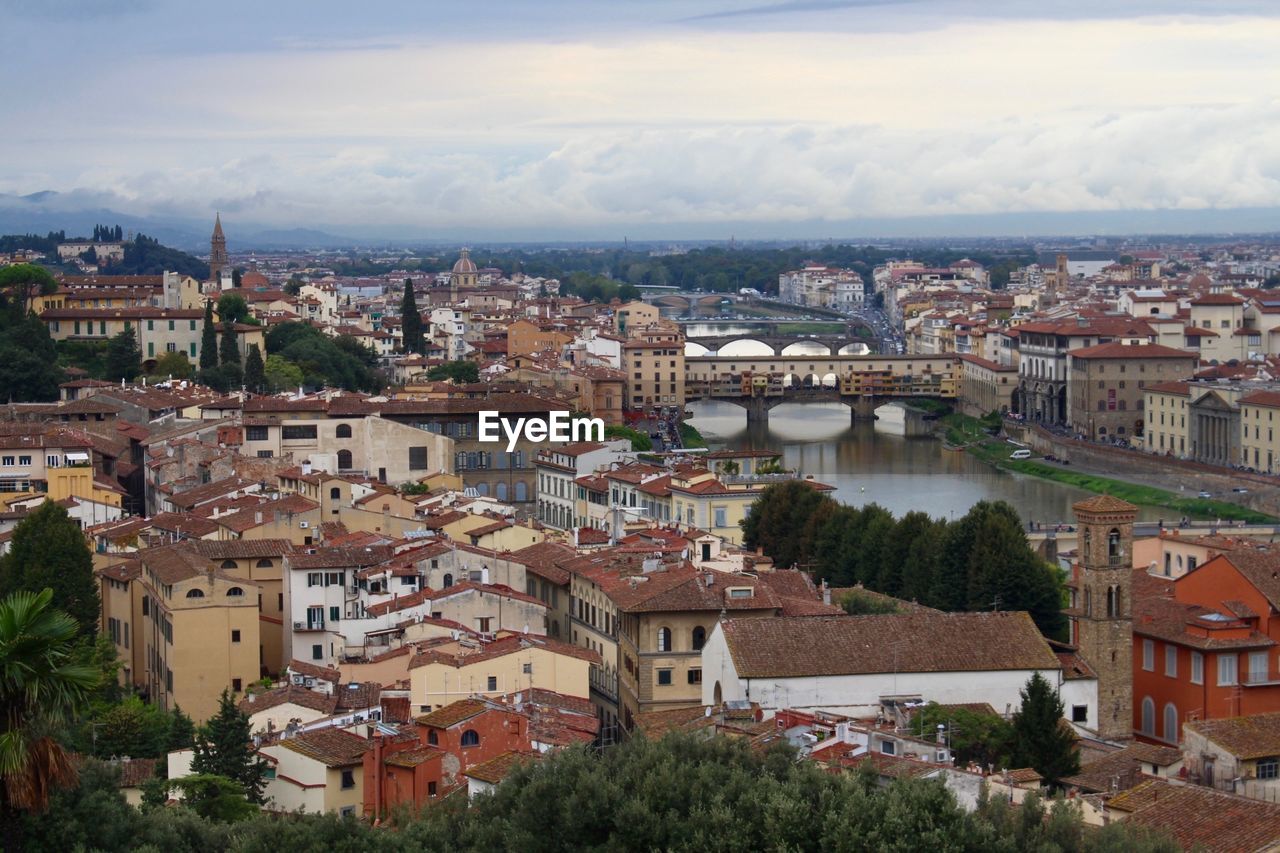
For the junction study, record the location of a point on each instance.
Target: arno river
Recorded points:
(900, 474)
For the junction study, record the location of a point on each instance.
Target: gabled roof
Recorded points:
(330, 746)
(1256, 736)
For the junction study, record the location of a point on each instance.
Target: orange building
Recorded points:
(1204, 644)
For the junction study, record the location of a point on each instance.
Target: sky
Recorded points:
(664, 118)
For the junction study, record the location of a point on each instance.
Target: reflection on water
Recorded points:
(900, 474)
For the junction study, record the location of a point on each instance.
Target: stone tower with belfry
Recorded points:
(1102, 615)
(217, 250)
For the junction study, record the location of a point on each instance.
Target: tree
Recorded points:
(48, 551)
(777, 518)
(862, 603)
(182, 731)
(974, 737)
(460, 372)
(29, 368)
(281, 374)
(131, 728)
(41, 687)
(229, 349)
(255, 378)
(236, 275)
(294, 286)
(20, 283)
(232, 308)
(411, 320)
(1042, 739)
(124, 358)
(215, 798)
(224, 747)
(208, 340)
(174, 365)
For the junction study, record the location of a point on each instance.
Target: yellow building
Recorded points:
(316, 772)
(447, 670)
(260, 562)
(199, 629)
(653, 361)
(634, 315)
(158, 330)
(1260, 431)
(1166, 407)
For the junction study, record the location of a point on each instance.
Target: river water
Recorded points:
(900, 474)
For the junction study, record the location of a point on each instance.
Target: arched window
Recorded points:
(344, 460)
(502, 491)
(1149, 717)
(1113, 602)
(482, 489)
(433, 739)
(235, 592)
(664, 639)
(264, 563)
(448, 580)
(1113, 545)
(228, 564)
(195, 593)
(522, 491)
(1171, 723)
(699, 638)
(343, 431)
(1088, 602)
(470, 738)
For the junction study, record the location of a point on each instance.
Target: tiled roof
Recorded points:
(1201, 818)
(309, 669)
(356, 696)
(242, 549)
(1256, 736)
(1103, 504)
(331, 746)
(290, 694)
(1119, 350)
(911, 642)
(496, 769)
(454, 713)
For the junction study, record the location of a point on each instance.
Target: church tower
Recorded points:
(1102, 612)
(217, 249)
(464, 273)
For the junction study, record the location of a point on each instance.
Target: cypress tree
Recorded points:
(411, 320)
(229, 352)
(124, 359)
(224, 747)
(254, 370)
(49, 551)
(1041, 738)
(208, 340)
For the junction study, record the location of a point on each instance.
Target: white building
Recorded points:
(559, 467)
(854, 664)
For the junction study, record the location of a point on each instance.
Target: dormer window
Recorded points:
(740, 591)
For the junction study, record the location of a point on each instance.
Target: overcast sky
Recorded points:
(572, 116)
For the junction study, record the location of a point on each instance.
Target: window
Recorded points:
(1226, 670)
(344, 460)
(431, 789)
(235, 592)
(1197, 668)
(417, 458)
(527, 668)
(343, 431)
(8, 461)
(695, 676)
(664, 676)
(1267, 768)
(1079, 713)
(1257, 667)
(236, 685)
(335, 613)
(235, 635)
(433, 739)
(298, 433)
(348, 779)
(255, 433)
(699, 638)
(317, 652)
(447, 581)
(664, 639)
(195, 593)
(493, 683)
(347, 811)
(228, 564)
(264, 563)
(470, 738)
(1171, 722)
(720, 517)
(1171, 661)
(1149, 717)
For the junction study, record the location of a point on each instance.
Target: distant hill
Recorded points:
(143, 255)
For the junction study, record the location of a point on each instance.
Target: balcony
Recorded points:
(309, 625)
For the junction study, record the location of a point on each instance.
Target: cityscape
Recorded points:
(588, 452)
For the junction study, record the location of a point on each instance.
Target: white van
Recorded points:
(1020, 454)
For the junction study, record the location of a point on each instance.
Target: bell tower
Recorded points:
(1102, 614)
(217, 249)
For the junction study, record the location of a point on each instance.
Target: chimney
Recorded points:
(306, 467)
(257, 517)
(826, 592)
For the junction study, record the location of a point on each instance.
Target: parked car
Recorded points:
(1204, 494)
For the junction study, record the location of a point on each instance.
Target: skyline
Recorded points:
(656, 120)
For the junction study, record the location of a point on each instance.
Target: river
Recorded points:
(900, 474)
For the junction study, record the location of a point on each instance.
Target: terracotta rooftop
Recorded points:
(1201, 818)
(496, 769)
(1256, 736)
(331, 746)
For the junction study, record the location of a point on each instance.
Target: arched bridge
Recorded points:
(743, 346)
(759, 383)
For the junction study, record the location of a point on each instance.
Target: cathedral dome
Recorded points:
(464, 264)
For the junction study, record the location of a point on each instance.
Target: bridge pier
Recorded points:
(757, 409)
(862, 409)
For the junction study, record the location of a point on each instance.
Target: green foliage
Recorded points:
(124, 358)
(255, 378)
(224, 377)
(145, 256)
(280, 374)
(224, 747)
(974, 737)
(690, 437)
(42, 686)
(130, 728)
(232, 308)
(342, 362)
(411, 320)
(208, 340)
(214, 798)
(172, 364)
(861, 603)
(460, 372)
(229, 349)
(20, 283)
(968, 564)
(640, 442)
(1042, 740)
(29, 370)
(48, 551)
(182, 731)
(294, 286)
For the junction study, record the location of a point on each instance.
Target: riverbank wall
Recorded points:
(1174, 475)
